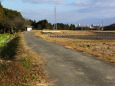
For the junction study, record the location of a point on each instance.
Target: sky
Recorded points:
(68, 11)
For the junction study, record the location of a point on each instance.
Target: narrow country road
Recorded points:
(70, 67)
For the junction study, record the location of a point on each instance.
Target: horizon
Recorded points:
(69, 12)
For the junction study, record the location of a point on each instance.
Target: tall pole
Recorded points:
(55, 18)
(102, 25)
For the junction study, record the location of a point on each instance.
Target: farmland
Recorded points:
(98, 43)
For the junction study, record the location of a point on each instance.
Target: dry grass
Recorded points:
(104, 49)
(25, 69)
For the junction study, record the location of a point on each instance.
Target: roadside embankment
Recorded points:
(19, 66)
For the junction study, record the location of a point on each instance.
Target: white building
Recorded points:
(29, 28)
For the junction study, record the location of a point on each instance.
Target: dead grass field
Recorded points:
(99, 43)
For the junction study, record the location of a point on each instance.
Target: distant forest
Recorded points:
(12, 22)
(110, 27)
(44, 24)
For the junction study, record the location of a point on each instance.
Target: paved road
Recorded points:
(70, 67)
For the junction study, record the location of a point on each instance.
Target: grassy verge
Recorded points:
(19, 66)
(104, 49)
(3, 38)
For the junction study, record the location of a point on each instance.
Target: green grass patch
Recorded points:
(9, 50)
(3, 39)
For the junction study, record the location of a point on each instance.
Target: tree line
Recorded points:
(44, 24)
(110, 27)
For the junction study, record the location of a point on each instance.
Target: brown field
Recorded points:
(98, 43)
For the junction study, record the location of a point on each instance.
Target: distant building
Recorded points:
(96, 27)
(79, 25)
(29, 28)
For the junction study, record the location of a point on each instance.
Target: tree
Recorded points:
(61, 26)
(43, 24)
(66, 27)
(50, 26)
(19, 24)
(11, 14)
(72, 27)
(2, 17)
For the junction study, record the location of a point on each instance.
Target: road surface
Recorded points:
(70, 67)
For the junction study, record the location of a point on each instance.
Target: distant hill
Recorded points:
(110, 27)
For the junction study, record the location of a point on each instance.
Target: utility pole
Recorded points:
(102, 25)
(55, 19)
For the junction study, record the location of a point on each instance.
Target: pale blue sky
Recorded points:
(68, 11)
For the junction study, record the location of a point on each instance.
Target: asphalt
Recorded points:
(68, 67)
